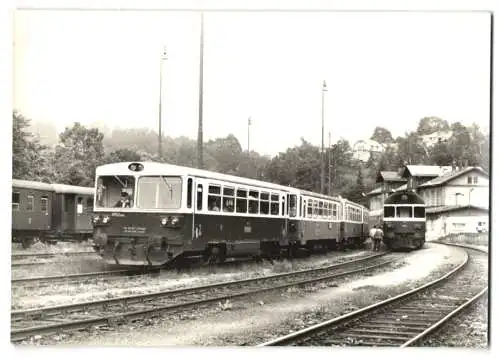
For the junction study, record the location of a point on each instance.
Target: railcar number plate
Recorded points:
(134, 229)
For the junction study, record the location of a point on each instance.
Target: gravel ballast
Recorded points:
(257, 319)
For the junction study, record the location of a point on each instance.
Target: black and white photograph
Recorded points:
(209, 177)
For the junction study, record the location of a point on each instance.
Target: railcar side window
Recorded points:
(253, 202)
(199, 197)
(334, 211)
(418, 212)
(241, 201)
(320, 210)
(228, 199)
(30, 204)
(275, 204)
(16, 201)
(293, 206)
(264, 203)
(117, 191)
(315, 208)
(309, 208)
(44, 204)
(214, 198)
(189, 201)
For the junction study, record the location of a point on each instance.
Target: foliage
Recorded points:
(382, 135)
(429, 125)
(81, 149)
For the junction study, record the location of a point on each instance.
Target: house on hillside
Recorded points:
(432, 139)
(419, 174)
(362, 149)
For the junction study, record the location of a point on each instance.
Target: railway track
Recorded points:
(64, 318)
(82, 277)
(404, 320)
(49, 255)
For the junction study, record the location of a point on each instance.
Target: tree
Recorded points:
(429, 125)
(79, 153)
(123, 155)
(28, 160)
(382, 135)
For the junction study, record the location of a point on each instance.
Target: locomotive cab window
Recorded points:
(16, 201)
(159, 192)
(403, 212)
(419, 212)
(117, 191)
(389, 211)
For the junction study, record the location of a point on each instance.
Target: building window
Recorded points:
(16, 201)
(469, 180)
(475, 180)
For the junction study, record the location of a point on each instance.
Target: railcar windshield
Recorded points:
(419, 212)
(404, 211)
(159, 192)
(115, 191)
(389, 211)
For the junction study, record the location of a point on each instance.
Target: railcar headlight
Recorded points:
(95, 219)
(105, 220)
(175, 220)
(164, 221)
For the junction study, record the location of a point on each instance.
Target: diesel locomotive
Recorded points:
(404, 220)
(151, 214)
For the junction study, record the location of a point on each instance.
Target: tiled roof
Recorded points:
(449, 176)
(425, 170)
(389, 176)
(375, 191)
(442, 209)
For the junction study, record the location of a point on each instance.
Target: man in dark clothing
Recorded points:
(377, 238)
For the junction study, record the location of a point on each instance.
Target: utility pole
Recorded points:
(200, 105)
(323, 90)
(162, 58)
(248, 134)
(329, 164)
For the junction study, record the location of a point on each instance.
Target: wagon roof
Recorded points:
(72, 189)
(29, 184)
(58, 188)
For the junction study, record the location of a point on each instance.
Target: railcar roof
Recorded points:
(152, 168)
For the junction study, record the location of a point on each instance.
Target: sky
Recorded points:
(381, 69)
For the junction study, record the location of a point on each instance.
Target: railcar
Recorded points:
(171, 212)
(404, 221)
(50, 211)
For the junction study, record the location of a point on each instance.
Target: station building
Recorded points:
(457, 198)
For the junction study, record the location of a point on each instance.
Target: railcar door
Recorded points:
(69, 215)
(84, 208)
(197, 207)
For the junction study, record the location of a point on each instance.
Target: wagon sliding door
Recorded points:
(83, 211)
